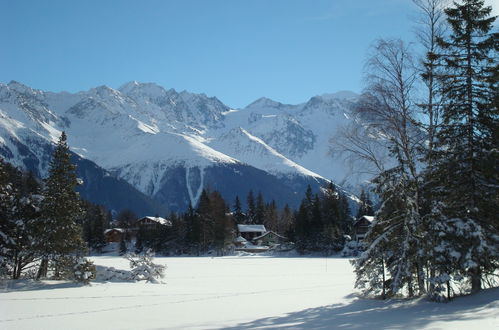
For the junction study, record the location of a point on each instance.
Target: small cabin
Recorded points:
(361, 227)
(114, 235)
(248, 232)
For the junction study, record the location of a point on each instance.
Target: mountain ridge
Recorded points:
(142, 132)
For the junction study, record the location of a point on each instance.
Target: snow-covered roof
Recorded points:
(160, 220)
(121, 230)
(369, 218)
(240, 239)
(251, 228)
(267, 233)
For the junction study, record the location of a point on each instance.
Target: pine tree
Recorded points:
(251, 213)
(207, 221)
(333, 230)
(365, 205)
(59, 234)
(260, 209)
(285, 221)
(464, 216)
(271, 218)
(19, 210)
(238, 213)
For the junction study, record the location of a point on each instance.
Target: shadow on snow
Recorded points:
(378, 314)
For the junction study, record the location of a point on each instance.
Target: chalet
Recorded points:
(269, 238)
(114, 235)
(361, 227)
(248, 232)
(153, 221)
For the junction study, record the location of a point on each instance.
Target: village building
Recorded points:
(114, 235)
(361, 227)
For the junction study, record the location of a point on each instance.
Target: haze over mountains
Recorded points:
(155, 149)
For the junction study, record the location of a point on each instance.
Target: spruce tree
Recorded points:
(238, 213)
(260, 209)
(365, 205)
(251, 213)
(19, 205)
(59, 234)
(464, 213)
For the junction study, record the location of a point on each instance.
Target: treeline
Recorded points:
(436, 117)
(320, 224)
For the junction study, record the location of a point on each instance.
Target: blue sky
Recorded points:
(237, 50)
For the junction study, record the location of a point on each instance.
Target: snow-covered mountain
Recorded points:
(171, 145)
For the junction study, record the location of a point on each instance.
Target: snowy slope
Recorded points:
(144, 134)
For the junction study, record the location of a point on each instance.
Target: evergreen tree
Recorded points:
(193, 230)
(271, 221)
(223, 225)
(260, 209)
(464, 212)
(251, 213)
(126, 220)
(19, 205)
(94, 222)
(207, 221)
(285, 221)
(365, 205)
(333, 231)
(59, 234)
(238, 213)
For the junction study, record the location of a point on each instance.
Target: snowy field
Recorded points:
(233, 293)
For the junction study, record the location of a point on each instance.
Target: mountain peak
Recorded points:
(341, 95)
(264, 102)
(150, 89)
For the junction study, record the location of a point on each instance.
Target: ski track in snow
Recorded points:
(247, 292)
(291, 291)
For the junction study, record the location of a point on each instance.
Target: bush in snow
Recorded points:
(143, 268)
(76, 269)
(84, 271)
(105, 274)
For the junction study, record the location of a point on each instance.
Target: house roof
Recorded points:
(251, 228)
(159, 220)
(267, 233)
(240, 239)
(121, 230)
(368, 218)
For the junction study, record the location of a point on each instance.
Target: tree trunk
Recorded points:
(384, 280)
(42, 270)
(476, 280)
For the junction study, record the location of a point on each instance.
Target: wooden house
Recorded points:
(114, 235)
(361, 227)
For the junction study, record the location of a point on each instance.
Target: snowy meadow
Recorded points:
(238, 292)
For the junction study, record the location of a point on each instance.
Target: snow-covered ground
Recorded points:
(251, 292)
